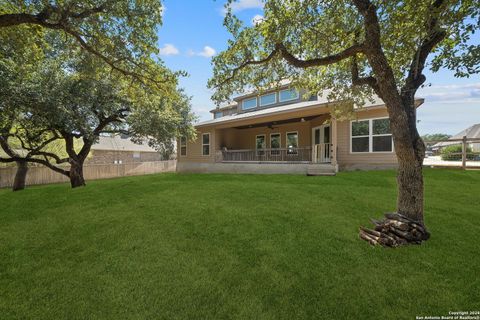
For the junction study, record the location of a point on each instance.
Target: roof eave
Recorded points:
(418, 102)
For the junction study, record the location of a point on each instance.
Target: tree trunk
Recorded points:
(20, 176)
(76, 174)
(410, 190)
(410, 150)
(407, 225)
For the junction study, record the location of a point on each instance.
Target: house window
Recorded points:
(183, 146)
(268, 99)
(288, 94)
(360, 136)
(217, 114)
(372, 135)
(206, 144)
(292, 142)
(381, 135)
(275, 143)
(260, 145)
(136, 155)
(249, 103)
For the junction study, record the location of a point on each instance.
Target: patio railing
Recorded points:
(322, 152)
(266, 155)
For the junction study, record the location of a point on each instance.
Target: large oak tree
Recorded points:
(123, 34)
(355, 49)
(51, 92)
(77, 100)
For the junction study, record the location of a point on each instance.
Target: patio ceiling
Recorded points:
(270, 124)
(261, 117)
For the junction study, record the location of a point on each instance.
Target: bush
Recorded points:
(454, 153)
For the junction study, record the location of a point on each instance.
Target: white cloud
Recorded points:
(449, 107)
(207, 52)
(169, 50)
(454, 86)
(257, 19)
(244, 5)
(447, 116)
(451, 92)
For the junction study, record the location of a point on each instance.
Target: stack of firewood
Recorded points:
(394, 230)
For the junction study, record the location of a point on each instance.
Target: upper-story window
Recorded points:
(268, 99)
(249, 103)
(218, 114)
(288, 94)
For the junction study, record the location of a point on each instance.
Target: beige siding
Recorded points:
(194, 148)
(348, 160)
(237, 139)
(245, 138)
(232, 138)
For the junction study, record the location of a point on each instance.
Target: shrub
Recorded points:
(454, 153)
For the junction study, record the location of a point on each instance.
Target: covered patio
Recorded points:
(310, 139)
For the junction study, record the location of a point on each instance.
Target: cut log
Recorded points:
(394, 230)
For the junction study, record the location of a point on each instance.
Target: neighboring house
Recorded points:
(282, 132)
(120, 149)
(472, 132)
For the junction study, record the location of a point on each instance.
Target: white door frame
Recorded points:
(322, 140)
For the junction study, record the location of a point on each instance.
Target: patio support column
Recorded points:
(334, 142)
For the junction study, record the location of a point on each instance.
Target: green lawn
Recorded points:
(235, 247)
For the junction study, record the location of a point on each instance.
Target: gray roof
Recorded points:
(472, 132)
(321, 102)
(120, 143)
(258, 113)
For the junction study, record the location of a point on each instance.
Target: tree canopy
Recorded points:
(324, 45)
(435, 137)
(50, 90)
(120, 33)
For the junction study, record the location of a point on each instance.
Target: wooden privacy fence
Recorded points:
(43, 175)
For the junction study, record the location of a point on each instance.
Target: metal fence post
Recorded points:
(464, 152)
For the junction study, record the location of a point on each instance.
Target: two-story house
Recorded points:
(281, 131)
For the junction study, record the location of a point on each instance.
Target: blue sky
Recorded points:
(193, 32)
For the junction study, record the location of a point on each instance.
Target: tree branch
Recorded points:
(361, 81)
(435, 35)
(292, 60)
(7, 160)
(42, 19)
(109, 62)
(281, 50)
(6, 148)
(44, 144)
(14, 19)
(247, 63)
(57, 159)
(88, 12)
(47, 164)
